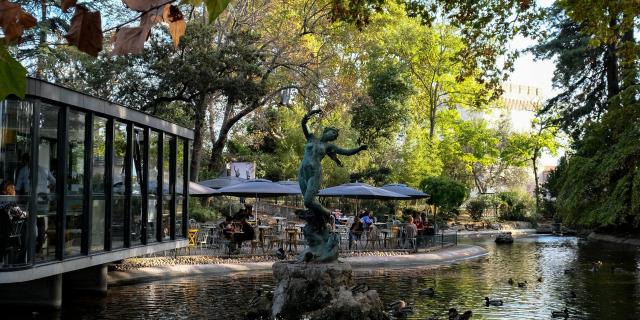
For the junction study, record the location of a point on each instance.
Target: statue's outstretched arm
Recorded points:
(305, 119)
(349, 152)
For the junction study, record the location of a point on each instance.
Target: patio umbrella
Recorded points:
(360, 191)
(198, 190)
(221, 182)
(259, 188)
(295, 185)
(403, 189)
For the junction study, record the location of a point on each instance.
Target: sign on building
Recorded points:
(243, 170)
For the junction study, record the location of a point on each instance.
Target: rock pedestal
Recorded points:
(321, 291)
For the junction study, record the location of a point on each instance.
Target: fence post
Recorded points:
(442, 239)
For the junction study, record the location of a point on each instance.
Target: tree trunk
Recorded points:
(198, 131)
(611, 65)
(534, 159)
(42, 42)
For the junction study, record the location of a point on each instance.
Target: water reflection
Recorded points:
(600, 295)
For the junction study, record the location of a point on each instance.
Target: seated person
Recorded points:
(227, 227)
(10, 214)
(410, 232)
(247, 235)
(355, 231)
(368, 219)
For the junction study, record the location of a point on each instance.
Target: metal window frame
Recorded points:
(160, 195)
(87, 206)
(173, 158)
(108, 180)
(61, 180)
(185, 190)
(144, 188)
(128, 172)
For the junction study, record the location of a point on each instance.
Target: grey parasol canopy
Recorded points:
(221, 182)
(403, 189)
(259, 188)
(360, 191)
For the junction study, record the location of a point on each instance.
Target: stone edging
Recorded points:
(488, 233)
(613, 239)
(443, 256)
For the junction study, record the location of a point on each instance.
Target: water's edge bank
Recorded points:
(613, 239)
(443, 256)
(492, 233)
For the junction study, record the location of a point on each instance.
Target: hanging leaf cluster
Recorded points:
(85, 32)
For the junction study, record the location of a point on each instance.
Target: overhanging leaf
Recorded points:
(66, 4)
(215, 8)
(86, 31)
(130, 40)
(143, 5)
(14, 20)
(177, 25)
(13, 76)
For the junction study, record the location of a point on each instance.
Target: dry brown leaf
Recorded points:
(14, 20)
(177, 25)
(143, 5)
(66, 4)
(129, 40)
(86, 31)
(177, 30)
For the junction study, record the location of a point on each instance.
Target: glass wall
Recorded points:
(75, 183)
(80, 182)
(16, 119)
(152, 207)
(98, 184)
(118, 193)
(46, 188)
(179, 186)
(137, 176)
(167, 187)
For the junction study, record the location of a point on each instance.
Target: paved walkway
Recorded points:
(443, 256)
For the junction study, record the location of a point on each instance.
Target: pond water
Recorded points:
(600, 295)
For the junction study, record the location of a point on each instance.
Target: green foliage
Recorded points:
(476, 207)
(379, 113)
(445, 193)
(516, 206)
(202, 213)
(12, 75)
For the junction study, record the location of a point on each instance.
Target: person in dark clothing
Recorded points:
(247, 235)
(12, 219)
(355, 232)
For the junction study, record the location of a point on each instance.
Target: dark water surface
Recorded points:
(600, 295)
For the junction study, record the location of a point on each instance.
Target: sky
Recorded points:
(529, 72)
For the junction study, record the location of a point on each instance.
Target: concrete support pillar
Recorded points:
(40, 293)
(89, 280)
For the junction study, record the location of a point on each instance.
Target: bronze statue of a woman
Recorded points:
(322, 244)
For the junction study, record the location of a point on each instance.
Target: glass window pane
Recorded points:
(75, 183)
(97, 182)
(46, 183)
(136, 181)
(179, 186)
(117, 214)
(15, 144)
(153, 187)
(167, 197)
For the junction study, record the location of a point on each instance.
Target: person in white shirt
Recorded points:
(45, 179)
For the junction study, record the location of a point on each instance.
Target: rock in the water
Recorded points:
(321, 291)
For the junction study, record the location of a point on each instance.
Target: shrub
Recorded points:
(201, 213)
(476, 207)
(516, 206)
(445, 193)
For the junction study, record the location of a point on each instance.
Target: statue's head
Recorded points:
(329, 134)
